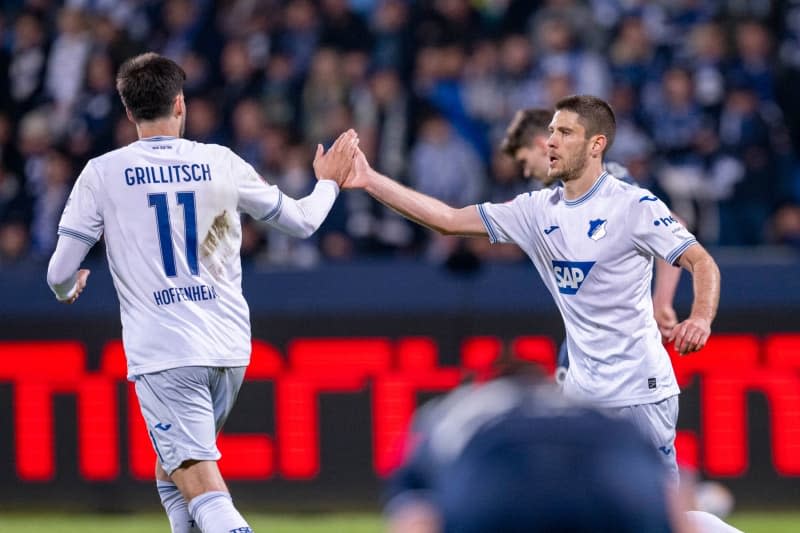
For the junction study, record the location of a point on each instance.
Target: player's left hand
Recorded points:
(80, 284)
(691, 335)
(666, 318)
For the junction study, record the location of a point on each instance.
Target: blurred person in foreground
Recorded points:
(514, 455)
(526, 142)
(169, 209)
(593, 242)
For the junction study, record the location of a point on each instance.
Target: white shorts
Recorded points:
(184, 409)
(657, 422)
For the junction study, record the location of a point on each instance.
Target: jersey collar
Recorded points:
(158, 138)
(588, 194)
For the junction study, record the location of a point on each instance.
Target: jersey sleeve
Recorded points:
(256, 198)
(655, 231)
(510, 221)
(82, 218)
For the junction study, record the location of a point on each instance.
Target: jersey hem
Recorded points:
(75, 234)
(673, 256)
(627, 402)
(275, 210)
(227, 362)
(487, 224)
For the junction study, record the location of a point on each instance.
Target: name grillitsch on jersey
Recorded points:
(167, 174)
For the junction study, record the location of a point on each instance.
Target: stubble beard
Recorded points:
(573, 169)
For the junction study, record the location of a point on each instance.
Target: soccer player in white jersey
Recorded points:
(525, 141)
(169, 209)
(592, 242)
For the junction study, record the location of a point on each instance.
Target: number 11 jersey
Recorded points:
(170, 212)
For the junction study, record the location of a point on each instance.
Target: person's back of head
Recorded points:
(148, 85)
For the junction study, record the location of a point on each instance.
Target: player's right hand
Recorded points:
(338, 161)
(359, 174)
(80, 284)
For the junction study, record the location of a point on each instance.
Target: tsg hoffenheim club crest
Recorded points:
(597, 229)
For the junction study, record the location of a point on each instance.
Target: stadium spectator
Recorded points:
(474, 62)
(68, 56)
(27, 64)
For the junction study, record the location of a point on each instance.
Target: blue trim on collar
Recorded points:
(588, 194)
(158, 138)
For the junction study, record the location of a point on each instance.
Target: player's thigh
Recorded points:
(658, 423)
(178, 408)
(225, 387)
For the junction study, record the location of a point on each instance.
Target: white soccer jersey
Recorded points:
(169, 209)
(595, 255)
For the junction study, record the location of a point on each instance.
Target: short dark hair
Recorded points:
(594, 114)
(148, 85)
(526, 124)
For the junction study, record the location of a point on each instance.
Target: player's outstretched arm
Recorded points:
(414, 205)
(63, 276)
(301, 218)
(692, 334)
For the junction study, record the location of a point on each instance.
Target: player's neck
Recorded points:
(574, 189)
(158, 128)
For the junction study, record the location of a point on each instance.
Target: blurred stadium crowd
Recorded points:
(703, 92)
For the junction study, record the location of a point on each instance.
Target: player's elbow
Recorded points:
(54, 277)
(447, 223)
(304, 229)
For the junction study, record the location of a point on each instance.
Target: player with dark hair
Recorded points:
(525, 141)
(170, 212)
(592, 242)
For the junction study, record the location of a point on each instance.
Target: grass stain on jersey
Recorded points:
(218, 245)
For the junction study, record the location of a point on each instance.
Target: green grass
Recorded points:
(157, 523)
(749, 522)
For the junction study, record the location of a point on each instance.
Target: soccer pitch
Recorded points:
(747, 521)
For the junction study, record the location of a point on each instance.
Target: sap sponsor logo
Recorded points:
(664, 221)
(570, 275)
(597, 229)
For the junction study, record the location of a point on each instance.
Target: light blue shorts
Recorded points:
(657, 422)
(184, 409)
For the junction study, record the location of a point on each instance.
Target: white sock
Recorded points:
(178, 513)
(214, 513)
(708, 523)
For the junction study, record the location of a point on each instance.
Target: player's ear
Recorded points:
(179, 106)
(598, 145)
(129, 115)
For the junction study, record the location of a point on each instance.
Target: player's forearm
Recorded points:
(301, 218)
(63, 267)
(706, 281)
(666, 283)
(413, 205)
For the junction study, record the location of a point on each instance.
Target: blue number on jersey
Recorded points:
(186, 199)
